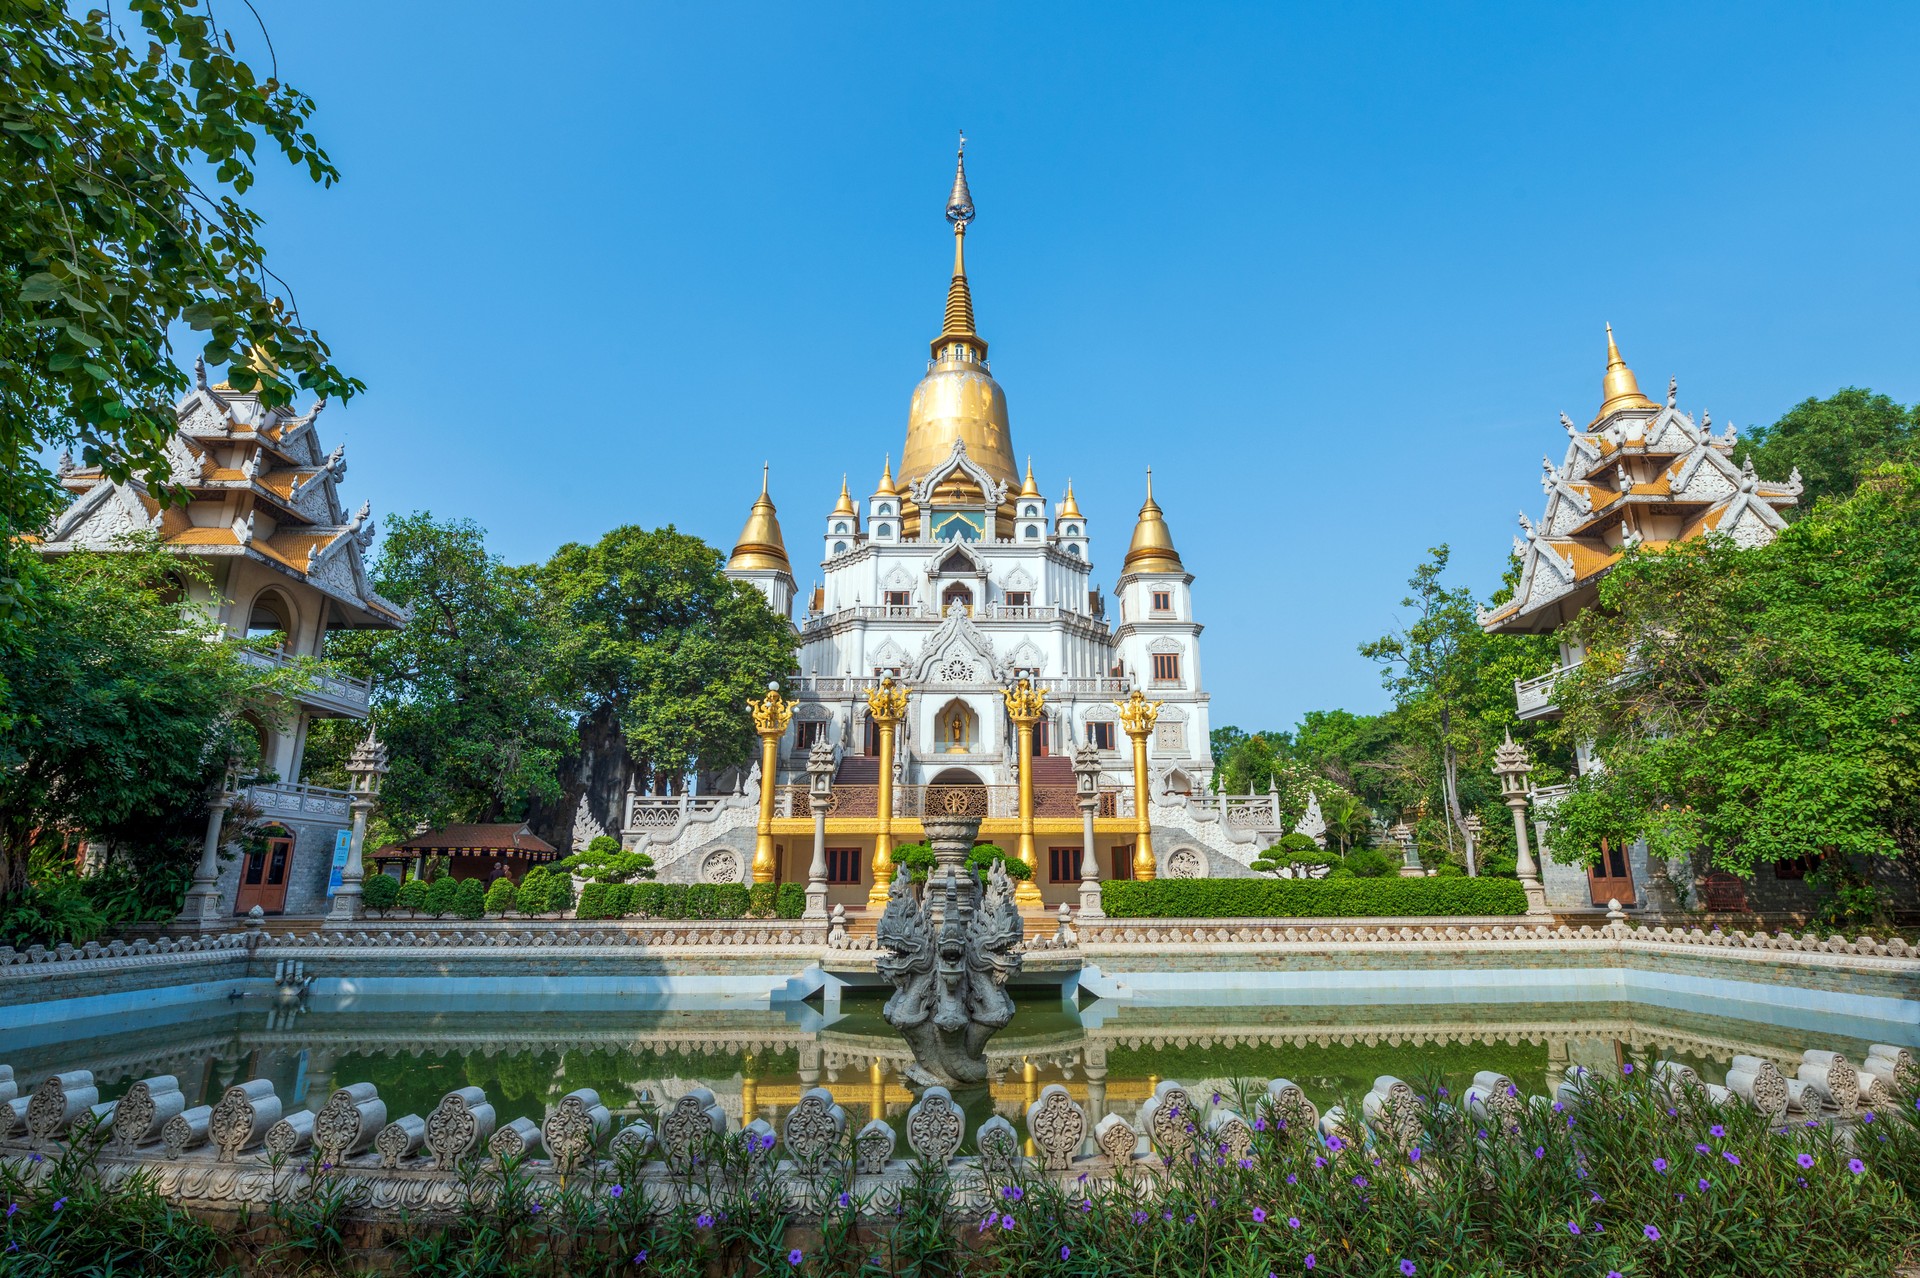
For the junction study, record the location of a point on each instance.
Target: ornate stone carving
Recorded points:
(873, 1148)
(1185, 863)
(1058, 1126)
(950, 986)
(459, 1127)
(1117, 1140)
(244, 1115)
(291, 1135)
(1394, 1112)
(348, 1122)
(187, 1130)
(1172, 1120)
(695, 1119)
(518, 1139)
(934, 1126)
(1760, 1083)
(574, 1128)
(999, 1148)
(400, 1140)
(59, 1102)
(1494, 1099)
(1229, 1135)
(758, 1139)
(813, 1129)
(145, 1110)
(722, 865)
(631, 1143)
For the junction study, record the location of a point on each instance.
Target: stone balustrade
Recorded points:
(248, 1148)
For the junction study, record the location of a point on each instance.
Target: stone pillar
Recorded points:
(886, 706)
(1410, 867)
(365, 766)
(951, 838)
(1137, 716)
(820, 779)
(1024, 707)
(202, 907)
(771, 714)
(1094, 1062)
(1086, 774)
(1511, 766)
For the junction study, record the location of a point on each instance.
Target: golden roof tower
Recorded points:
(1619, 388)
(1151, 549)
(760, 544)
(958, 398)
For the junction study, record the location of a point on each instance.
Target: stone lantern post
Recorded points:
(771, 714)
(1137, 716)
(366, 766)
(820, 791)
(1403, 834)
(202, 906)
(1511, 766)
(1025, 704)
(1086, 778)
(886, 706)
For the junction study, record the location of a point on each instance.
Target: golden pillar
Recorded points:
(877, 1088)
(1137, 716)
(749, 1092)
(771, 714)
(886, 706)
(1024, 705)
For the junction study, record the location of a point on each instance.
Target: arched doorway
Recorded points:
(956, 792)
(267, 863)
(271, 618)
(957, 729)
(957, 593)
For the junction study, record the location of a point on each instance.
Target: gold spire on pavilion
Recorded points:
(958, 398)
(760, 544)
(1029, 488)
(845, 505)
(1619, 388)
(1069, 508)
(1152, 547)
(886, 476)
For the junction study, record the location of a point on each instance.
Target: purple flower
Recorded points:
(1086, 1205)
(1413, 1155)
(1652, 1232)
(1445, 1093)
(1855, 1166)
(1731, 1157)
(1065, 1251)
(987, 1221)
(1308, 1262)
(844, 1200)
(1259, 1124)
(1191, 1218)
(1573, 1227)
(1701, 1184)
(1013, 1193)
(1627, 1068)
(639, 1257)
(1805, 1160)
(1259, 1215)
(704, 1220)
(1246, 1164)
(1216, 1098)
(1558, 1107)
(795, 1256)
(1716, 1131)
(58, 1203)
(12, 1208)
(1006, 1223)
(1292, 1179)
(1867, 1117)
(1293, 1222)
(1595, 1196)
(1660, 1165)
(1407, 1268)
(615, 1192)
(1139, 1218)
(33, 1158)
(1482, 1133)
(1702, 1149)
(534, 1208)
(1360, 1181)
(1335, 1144)
(1319, 1162)
(1615, 1273)
(1539, 1151)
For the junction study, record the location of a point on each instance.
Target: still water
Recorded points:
(527, 1051)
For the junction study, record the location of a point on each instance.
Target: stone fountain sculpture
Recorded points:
(950, 967)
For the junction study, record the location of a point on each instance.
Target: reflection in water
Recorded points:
(527, 1055)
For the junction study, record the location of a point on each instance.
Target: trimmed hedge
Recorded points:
(1309, 898)
(691, 900)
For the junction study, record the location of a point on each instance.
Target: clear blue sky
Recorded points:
(1332, 270)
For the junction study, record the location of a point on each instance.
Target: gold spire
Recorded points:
(1152, 547)
(1029, 489)
(760, 544)
(959, 323)
(1069, 508)
(1619, 389)
(845, 505)
(886, 477)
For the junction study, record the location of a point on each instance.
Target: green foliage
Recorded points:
(1757, 705)
(1332, 897)
(469, 694)
(125, 153)
(983, 857)
(593, 902)
(654, 634)
(470, 899)
(917, 857)
(604, 861)
(1833, 443)
(500, 896)
(47, 914)
(413, 896)
(560, 893)
(1369, 863)
(1294, 851)
(378, 892)
(790, 902)
(1349, 823)
(443, 897)
(761, 898)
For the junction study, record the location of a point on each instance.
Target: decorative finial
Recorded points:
(960, 200)
(764, 468)
(1673, 391)
(200, 372)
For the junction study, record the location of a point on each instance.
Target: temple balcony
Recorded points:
(288, 799)
(1534, 697)
(331, 693)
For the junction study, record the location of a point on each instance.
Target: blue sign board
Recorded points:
(342, 844)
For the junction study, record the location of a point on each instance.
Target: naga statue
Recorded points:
(950, 973)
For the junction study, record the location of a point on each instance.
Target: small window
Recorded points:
(1074, 551)
(840, 527)
(839, 547)
(1031, 512)
(1019, 598)
(1163, 601)
(1101, 735)
(1166, 667)
(899, 599)
(1795, 868)
(843, 865)
(1033, 530)
(1063, 865)
(808, 733)
(884, 530)
(1073, 530)
(885, 508)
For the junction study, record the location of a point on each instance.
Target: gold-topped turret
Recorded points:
(886, 477)
(1152, 547)
(958, 398)
(845, 505)
(1619, 388)
(1069, 507)
(760, 544)
(1029, 488)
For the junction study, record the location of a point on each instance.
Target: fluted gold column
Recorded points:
(1024, 706)
(1137, 716)
(771, 714)
(886, 706)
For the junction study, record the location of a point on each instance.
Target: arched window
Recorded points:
(885, 509)
(840, 527)
(272, 618)
(884, 530)
(839, 547)
(1074, 551)
(1073, 530)
(1031, 511)
(957, 593)
(1032, 530)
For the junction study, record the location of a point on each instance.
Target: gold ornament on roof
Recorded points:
(1619, 388)
(888, 702)
(1024, 701)
(1152, 547)
(1029, 488)
(771, 713)
(1137, 714)
(845, 505)
(760, 544)
(1069, 508)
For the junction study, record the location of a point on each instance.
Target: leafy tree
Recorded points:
(560, 893)
(1758, 705)
(125, 155)
(443, 896)
(658, 641)
(470, 899)
(379, 892)
(984, 856)
(500, 896)
(536, 886)
(123, 705)
(466, 694)
(1368, 863)
(412, 897)
(1295, 852)
(605, 861)
(1833, 442)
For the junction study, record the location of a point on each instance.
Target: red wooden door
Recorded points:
(1611, 877)
(263, 878)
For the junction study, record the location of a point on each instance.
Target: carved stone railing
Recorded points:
(915, 801)
(1533, 697)
(285, 798)
(328, 690)
(665, 811)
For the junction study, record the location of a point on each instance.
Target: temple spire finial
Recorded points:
(1619, 389)
(958, 327)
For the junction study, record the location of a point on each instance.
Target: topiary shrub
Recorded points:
(732, 901)
(441, 895)
(981, 860)
(917, 857)
(619, 900)
(760, 899)
(531, 896)
(500, 896)
(1335, 896)
(470, 899)
(379, 893)
(1297, 852)
(593, 901)
(560, 893)
(790, 902)
(1369, 863)
(412, 897)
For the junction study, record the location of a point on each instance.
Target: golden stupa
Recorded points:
(1152, 547)
(760, 544)
(1619, 388)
